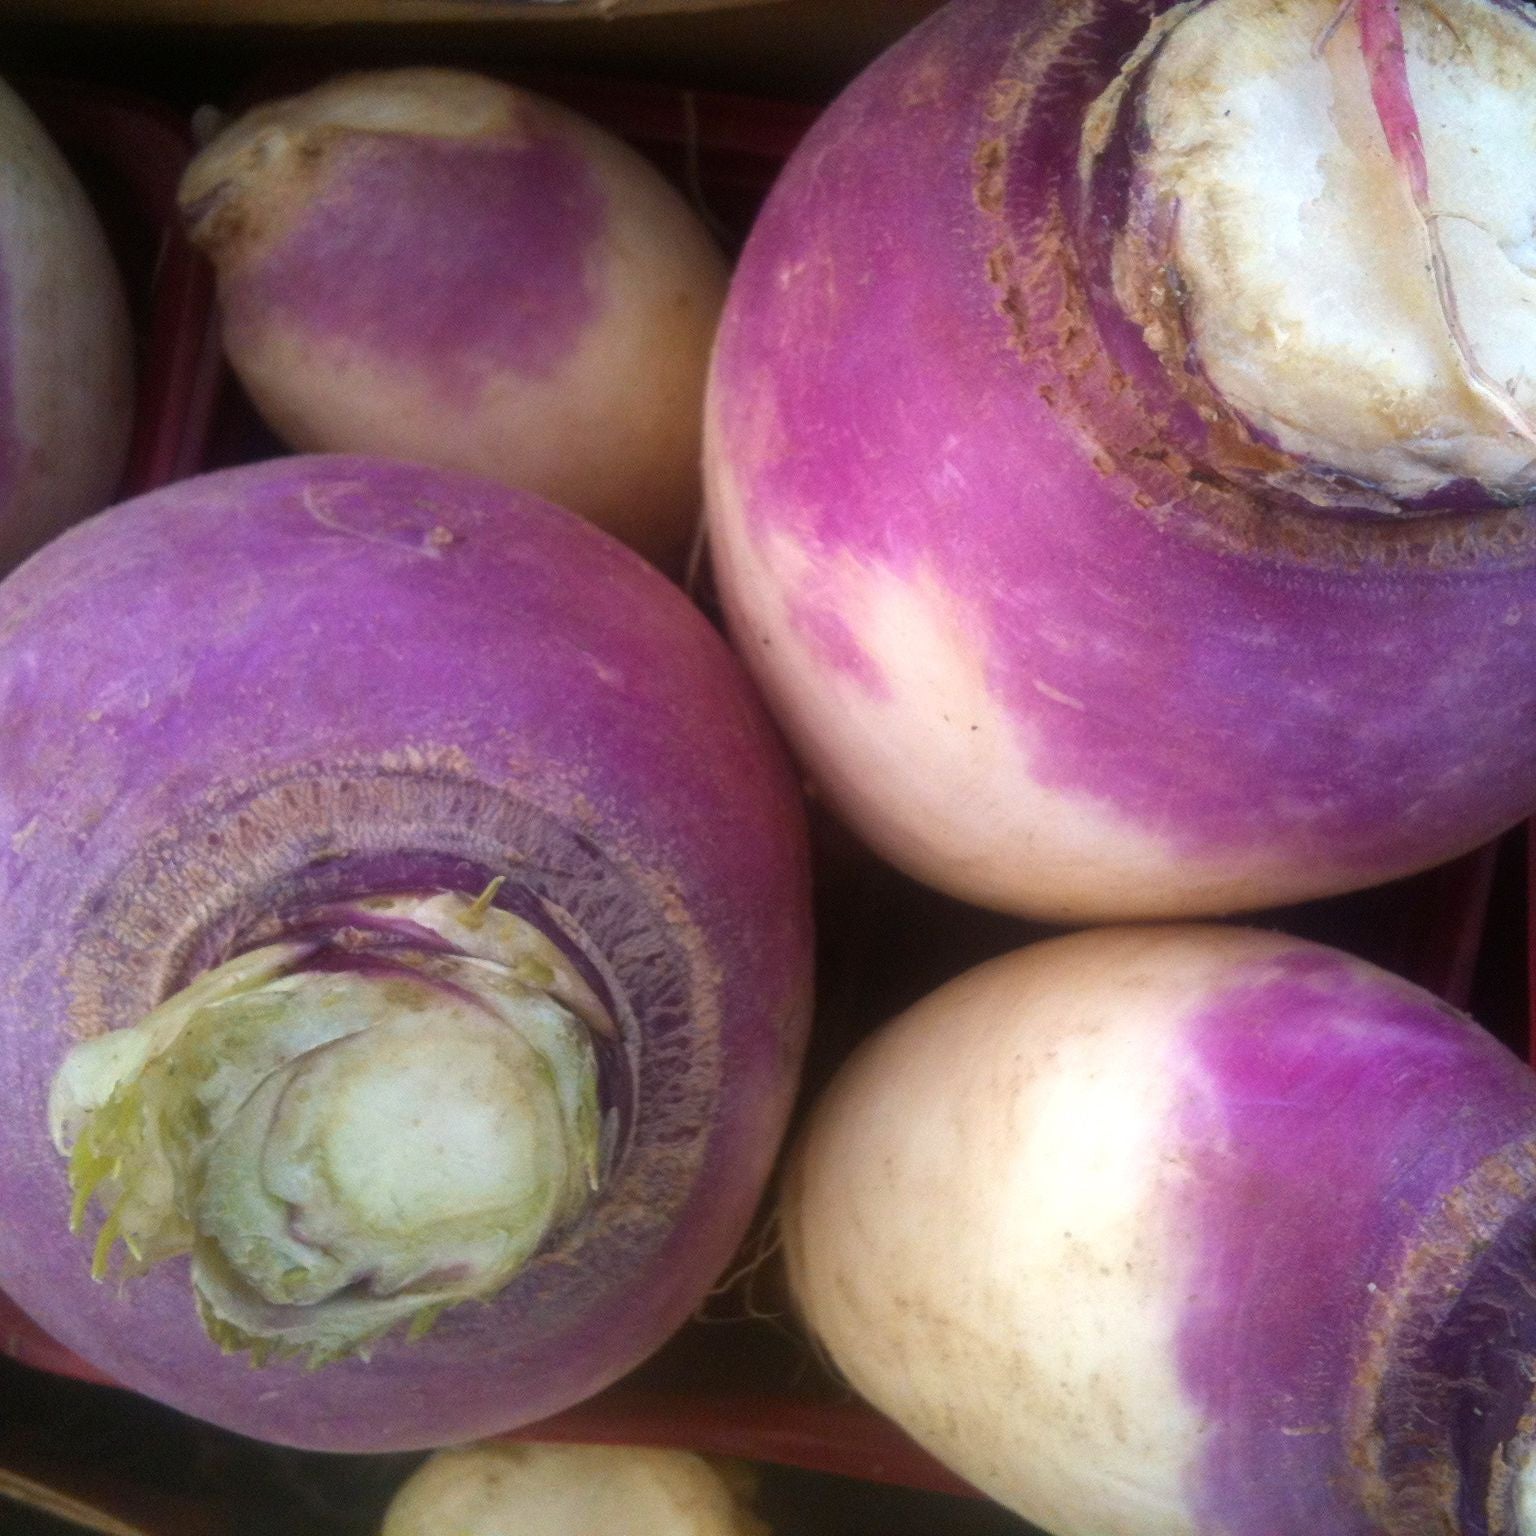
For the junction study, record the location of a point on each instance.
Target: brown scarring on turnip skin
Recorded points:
(1055, 627)
(252, 708)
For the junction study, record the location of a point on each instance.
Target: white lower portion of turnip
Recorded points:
(1016, 1318)
(571, 1490)
(914, 743)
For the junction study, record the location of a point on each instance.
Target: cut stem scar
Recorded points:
(1386, 62)
(344, 1140)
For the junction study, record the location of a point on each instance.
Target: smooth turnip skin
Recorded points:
(435, 266)
(571, 1490)
(262, 690)
(66, 348)
(1185, 1230)
(1035, 649)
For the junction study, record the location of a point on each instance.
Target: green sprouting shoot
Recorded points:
(482, 903)
(101, 1255)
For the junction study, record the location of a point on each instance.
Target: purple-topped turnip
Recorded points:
(406, 908)
(66, 348)
(1121, 448)
(437, 266)
(1187, 1231)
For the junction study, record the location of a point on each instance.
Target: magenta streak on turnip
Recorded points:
(1056, 625)
(1381, 41)
(313, 709)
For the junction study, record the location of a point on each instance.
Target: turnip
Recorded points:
(570, 1490)
(66, 349)
(1163, 1231)
(436, 266)
(1122, 441)
(405, 907)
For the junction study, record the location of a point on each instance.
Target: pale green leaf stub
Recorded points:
(94, 1069)
(346, 1148)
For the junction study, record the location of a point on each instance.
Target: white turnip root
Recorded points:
(499, 1489)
